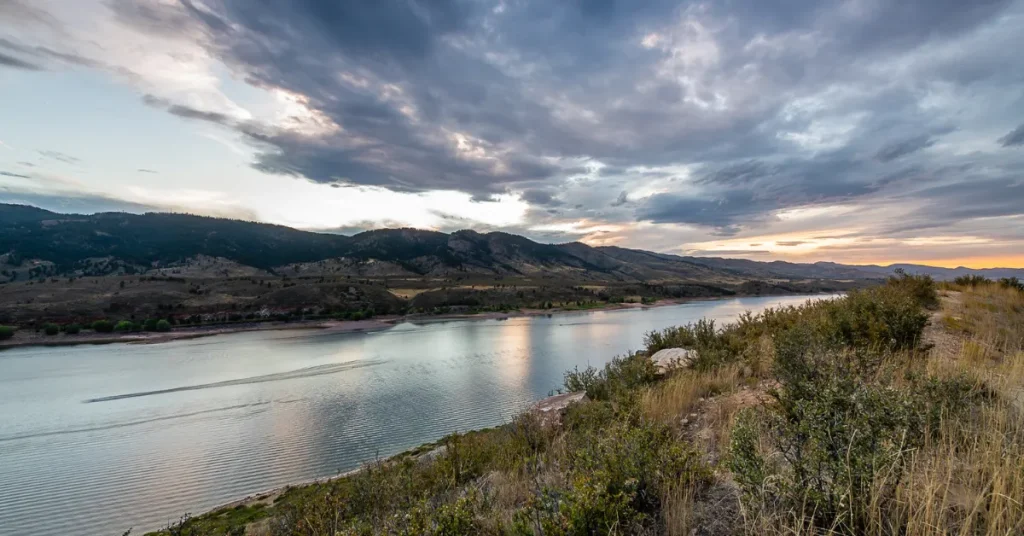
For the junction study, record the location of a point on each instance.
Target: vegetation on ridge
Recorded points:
(850, 416)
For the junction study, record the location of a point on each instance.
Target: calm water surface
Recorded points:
(97, 439)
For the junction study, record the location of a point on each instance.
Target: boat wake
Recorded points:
(307, 372)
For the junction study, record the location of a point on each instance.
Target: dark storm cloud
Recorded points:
(1014, 138)
(488, 97)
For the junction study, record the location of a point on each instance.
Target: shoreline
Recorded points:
(35, 339)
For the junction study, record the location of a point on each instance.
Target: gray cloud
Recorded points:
(1014, 138)
(59, 156)
(732, 111)
(188, 112)
(15, 175)
(11, 61)
(540, 197)
(621, 200)
(144, 170)
(904, 147)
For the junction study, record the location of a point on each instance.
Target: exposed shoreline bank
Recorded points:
(26, 338)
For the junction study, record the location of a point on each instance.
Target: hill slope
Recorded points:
(119, 243)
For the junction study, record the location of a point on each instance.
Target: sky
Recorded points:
(856, 131)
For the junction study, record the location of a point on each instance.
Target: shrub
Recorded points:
(6, 332)
(149, 324)
(920, 288)
(163, 326)
(72, 329)
(1012, 282)
(971, 280)
(125, 325)
(835, 432)
(880, 319)
(51, 329)
(103, 326)
(620, 375)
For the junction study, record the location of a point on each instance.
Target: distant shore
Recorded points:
(23, 338)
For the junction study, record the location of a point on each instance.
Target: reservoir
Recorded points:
(95, 440)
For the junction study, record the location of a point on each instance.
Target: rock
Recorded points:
(434, 454)
(552, 408)
(672, 358)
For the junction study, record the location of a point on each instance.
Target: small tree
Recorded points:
(51, 329)
(6, 332)
(124, 325)
(103, 326)
(72, 329)
(163, 326)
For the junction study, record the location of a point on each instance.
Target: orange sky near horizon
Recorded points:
(1000, 261)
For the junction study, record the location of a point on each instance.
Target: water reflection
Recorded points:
(211, 420)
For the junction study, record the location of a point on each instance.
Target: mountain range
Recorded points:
(54, 244)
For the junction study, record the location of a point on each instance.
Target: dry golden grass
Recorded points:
(680, 394)
(678, 509)
(968, 478)
(407, 293)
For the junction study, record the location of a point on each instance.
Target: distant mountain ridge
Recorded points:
(98, 244)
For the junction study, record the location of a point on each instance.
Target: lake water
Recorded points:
(97, 439)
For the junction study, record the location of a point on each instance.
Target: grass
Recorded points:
(852, 416)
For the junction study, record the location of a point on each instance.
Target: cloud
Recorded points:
(540, 197)
(904, 147)
(790, 243)
(75, 203)
(11, 61)
(144, 170)
(188, 112)
(59, 156)
(15, 175)
(720, 118)
(621, 200)
(1014, 138)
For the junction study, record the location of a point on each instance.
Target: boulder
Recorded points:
(672, 358)
(552, 408)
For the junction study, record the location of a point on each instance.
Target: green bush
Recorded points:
(162, 326)
(884, 319)
(6, 332)
(51, 329)
(831, 432)
(149, 324)
(616, 475)
(619, 376)
(103, 326)
(125, 325)
(920, 288)
(72, 329)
